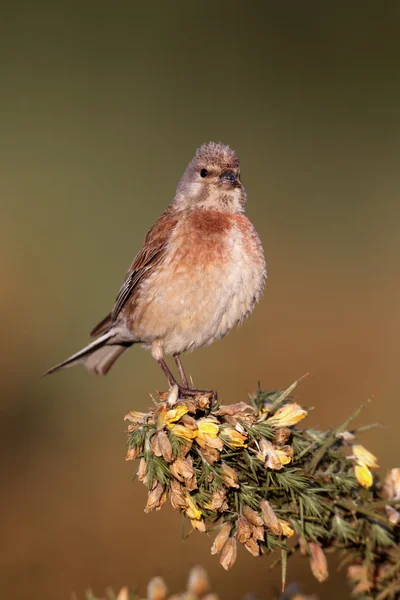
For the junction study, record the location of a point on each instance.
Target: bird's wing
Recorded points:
(153, 251)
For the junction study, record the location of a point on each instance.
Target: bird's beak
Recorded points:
(229, 178)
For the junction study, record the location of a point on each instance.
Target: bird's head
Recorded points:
(212, 181)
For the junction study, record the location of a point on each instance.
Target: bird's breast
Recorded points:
(210, 278)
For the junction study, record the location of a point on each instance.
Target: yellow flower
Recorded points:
(209, 426)
(364, 456)
(233, 437)
(363, 475)
(191, 509)
(198, 524)
(182, 431)
(287, 531)
(365, 461)
(173, 415)
(284, 458)
(287, 415)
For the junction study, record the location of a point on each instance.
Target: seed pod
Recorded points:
(177, 494)
(210, 455)
(155, 446)
(269, 518)
(228, 554)
(218, 499)
(165, 446)
(258, 533)
(142, 470)
(244, 530)
(252, 546)
(318, 562)
(229, 476)
(221, 538)
(155, 498)
(133, 453)
(253, 516)
(181, 469)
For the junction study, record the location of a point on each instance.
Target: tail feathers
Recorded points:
(98, 357)
(102, 327)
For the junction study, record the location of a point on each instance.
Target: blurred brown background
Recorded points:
(102, 106)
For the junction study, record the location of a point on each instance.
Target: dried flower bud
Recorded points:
(198, 581)
(393, 515)
(142, 470)
(252, 546)
(303, 546)
(221, 538)
(391, 486)
(281, 436)
(269, 518)
(318, 562)
(228, 554)
(210, 455)
(198, 524)
(258, 533)
(177, 494)
(133, 453)
(181, 469)
(204, 401)
(229, 476)
(165, 446)
(235, 409)
(155, 446)
(123, 594)
(155, 498)
(207, 441)
(244, 530)
(253, 516)
(135, 416)
(189, 422)
(156, 589)
(274, 458)
(217, 500)
(357, 572)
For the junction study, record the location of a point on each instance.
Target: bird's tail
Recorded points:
(98, 357)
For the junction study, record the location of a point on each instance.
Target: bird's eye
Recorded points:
(204, 172)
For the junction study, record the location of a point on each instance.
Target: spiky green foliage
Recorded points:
(252, 473)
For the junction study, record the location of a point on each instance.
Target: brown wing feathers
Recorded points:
(151, 254)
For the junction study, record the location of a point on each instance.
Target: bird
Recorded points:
(200, 272)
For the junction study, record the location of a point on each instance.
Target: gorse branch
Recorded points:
(251, 473)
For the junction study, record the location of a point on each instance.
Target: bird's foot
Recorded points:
(186, 391)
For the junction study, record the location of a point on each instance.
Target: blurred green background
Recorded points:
(102, 105)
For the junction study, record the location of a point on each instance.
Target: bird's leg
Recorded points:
(181, 370)
(167, 372)
(183, 390)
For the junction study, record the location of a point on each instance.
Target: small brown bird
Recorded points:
(201, 270)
